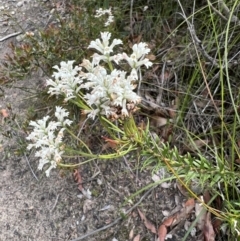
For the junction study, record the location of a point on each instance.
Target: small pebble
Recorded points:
(20, 37)
(19, 4)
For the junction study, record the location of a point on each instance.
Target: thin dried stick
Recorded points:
(218, 12)
(131, 18)
(54, 205)
(30, 167)
(10, 36)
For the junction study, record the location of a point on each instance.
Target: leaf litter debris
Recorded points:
(203, 222)
(78, 179)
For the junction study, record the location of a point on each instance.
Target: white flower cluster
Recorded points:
(103, 47)
(100, 12)
(110, 94)
(47, 139)
(67, 82)
(137, 58)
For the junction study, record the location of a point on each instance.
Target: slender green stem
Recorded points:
(73, 135)
(110, 64)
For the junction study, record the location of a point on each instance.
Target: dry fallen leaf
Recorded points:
(197, 144)
(147, 223)
(216, 223)
(113, 144)
(175, 218)
(168, 221)
(181, 214)
(159, 121)
(237, 161)
(131, 234)
(151, 57)
(208, 231)
(4, 113)
(189, 205)
(78, 179)
(137, 238)
(135, 39)
(200, 213)
(172, 111)
(162, 232)
(200, 143)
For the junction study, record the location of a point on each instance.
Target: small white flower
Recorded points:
(61, 113)
(137, 58)
(124, 112)
(92, 113)
(40, 124)
(103, 46)
(52, 165)
(145, 8)
(107, 110)
(67, 67)
(133, 76)
(100, 12)
(59, 137)
(116, 58)
(140, 49)
(109, 20)
(42, 162)
(87, 65)
(67, 80)
(97, 58)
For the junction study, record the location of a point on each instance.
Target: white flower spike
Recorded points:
(47, 139)
(137, 58)
(67, 80)
(103, 46)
